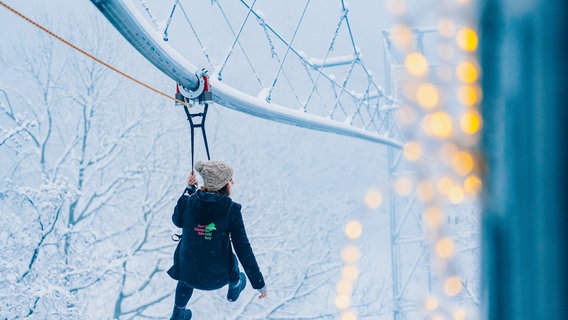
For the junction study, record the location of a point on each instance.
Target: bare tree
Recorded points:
(83, 193)
(464, 225)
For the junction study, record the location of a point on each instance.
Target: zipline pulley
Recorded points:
(203, 92)
(203, 96)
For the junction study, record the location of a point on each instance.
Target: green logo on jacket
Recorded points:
(205, 230)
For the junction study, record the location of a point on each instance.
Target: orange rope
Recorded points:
(88, 54)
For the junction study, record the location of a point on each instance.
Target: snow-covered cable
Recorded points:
(346, 9)
(288, 49)
(329, 49)
(240, 45)
(176, 2)
(343, 85)
(274, 55)
(197, 37)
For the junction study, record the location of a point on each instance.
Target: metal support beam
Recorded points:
(128, 21)
(410, 251)
(525, 70)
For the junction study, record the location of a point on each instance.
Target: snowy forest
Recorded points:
(92, 165)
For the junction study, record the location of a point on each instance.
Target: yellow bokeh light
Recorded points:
(353, 229)
(437, 317)
(444, 185)
(351, 254)
(467, 72)
(373, 199)
(467, 39)
(445, 247)
(416, 64)
(470, 122)
(401, 35)
(452, 286)
(438, 124)
(455, 194)
(446, 27)
(424, 190)
(342, 301)
(432, 303)
(433, 216)
(350, 272)
(397, 7)
(412, 151)
(348, 315)
(403, 186)
(427, 95)
(462, 163)
(344, 287)
(467, 95)
(459, 314)
(472, 185)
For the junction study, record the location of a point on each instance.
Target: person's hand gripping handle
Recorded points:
(192, 179)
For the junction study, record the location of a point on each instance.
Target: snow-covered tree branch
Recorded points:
(79, 201)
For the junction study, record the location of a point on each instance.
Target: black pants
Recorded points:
(184, 290)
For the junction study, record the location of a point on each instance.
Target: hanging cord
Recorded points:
(203, 97)
(129, 77)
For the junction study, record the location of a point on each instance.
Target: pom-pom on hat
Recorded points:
(215, 174)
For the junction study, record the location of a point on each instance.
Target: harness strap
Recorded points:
(194, 125)
(176, 237)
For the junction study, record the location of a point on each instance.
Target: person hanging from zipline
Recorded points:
(211, 221)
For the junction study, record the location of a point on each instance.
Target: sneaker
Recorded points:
(235, 290)
(181, 314)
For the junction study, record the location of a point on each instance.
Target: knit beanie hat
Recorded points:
(215, 174)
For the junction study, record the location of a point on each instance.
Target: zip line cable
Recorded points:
(129, 77)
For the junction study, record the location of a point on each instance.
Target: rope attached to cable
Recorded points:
(129, 77)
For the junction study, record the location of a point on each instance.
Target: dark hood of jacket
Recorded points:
(208, 205)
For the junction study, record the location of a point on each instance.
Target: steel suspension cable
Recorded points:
(349, 28)
(169, 22)
(236, 36)
(320, 71)
(240, 46)
(302, 58)
(263, 25)
(197, 37)
(288, 49)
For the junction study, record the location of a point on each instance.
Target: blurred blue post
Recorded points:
(524, 57)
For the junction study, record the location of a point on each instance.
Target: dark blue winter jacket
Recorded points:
(210, 222)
